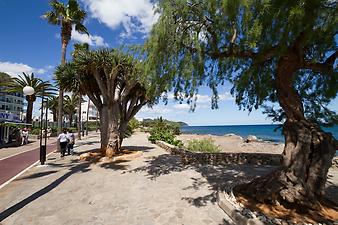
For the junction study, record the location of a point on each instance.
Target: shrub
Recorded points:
(162, 131)
(132, 125)
(204, 145)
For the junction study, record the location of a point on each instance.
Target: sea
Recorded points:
(269, 132)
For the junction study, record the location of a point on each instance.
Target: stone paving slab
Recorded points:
(148, 190)
(153, 189)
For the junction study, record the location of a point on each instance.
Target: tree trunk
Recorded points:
(66, 32)
(122, 131)
(307, 155)
(54, 112)
(29, 112)
(109, 130)
(70, 119)
(79, 119)
(88, 107)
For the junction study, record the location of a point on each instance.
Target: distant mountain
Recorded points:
(148, 122)
(183, 124)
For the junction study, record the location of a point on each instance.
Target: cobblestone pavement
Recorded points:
(155, 188)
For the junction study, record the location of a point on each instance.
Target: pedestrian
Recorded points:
(71, 142)
(49, 132)
(62, 138)
(24, 136)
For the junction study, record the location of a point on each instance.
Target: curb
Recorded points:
(233, 213)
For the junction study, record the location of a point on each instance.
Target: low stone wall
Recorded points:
(222, 158)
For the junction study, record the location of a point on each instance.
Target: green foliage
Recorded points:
(162, 131)
(134, 124)
(173, 126)
(70, 105)
(204, 145)
(4, 77)
(40, 87)
(209, 42)
(66, 16)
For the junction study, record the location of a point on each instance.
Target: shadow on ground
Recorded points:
(216, 177)
(138, 148)
(77, 168)
(37, 175)
(116, 165)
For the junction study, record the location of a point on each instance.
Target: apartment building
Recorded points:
(11, 112)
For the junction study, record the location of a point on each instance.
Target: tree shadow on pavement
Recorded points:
(220, 176)
(217, 177)
(37, 175)
(137, 148)
(161, 165)
(83, 167)
(116, 165)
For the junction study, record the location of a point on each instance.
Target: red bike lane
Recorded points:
(12, 166)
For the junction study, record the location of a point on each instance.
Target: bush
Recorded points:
(173, 126)
(134, 124)
(162, 131)
(204, 145)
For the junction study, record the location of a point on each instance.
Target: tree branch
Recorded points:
(326, 66)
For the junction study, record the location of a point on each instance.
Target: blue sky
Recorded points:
(29, 44)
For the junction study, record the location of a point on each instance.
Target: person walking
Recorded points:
(24, 136)
(62, 138)
(71, 139)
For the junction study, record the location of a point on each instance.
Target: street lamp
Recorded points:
(28, 90)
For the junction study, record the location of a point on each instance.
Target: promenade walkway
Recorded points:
(155, 188)
(14, 160)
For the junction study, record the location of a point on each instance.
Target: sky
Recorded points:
(29, 44)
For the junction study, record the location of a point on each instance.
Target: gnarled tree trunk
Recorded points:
(109, 130)
(122, 131)
(307, 155)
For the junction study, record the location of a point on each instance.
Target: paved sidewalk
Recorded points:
(153, 189)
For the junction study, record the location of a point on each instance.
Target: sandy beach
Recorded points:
(235, 143)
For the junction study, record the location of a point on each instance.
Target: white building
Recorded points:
(11, 112)
(11, 103)
(93, 114)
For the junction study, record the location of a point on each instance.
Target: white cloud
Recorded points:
(134, 16)
(226, 96)
(205, 98)
(182, 106)
(157, 109)
(93, 40)
(15, 69)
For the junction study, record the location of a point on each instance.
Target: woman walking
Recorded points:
(62, 138)
(71, 142)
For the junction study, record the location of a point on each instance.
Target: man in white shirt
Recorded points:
(62, 138)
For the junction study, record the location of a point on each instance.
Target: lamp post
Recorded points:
(28, 90)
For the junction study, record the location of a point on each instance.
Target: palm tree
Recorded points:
(67, 79)
(53, 106)
(65, 16)
(42, 88)
(70, 104)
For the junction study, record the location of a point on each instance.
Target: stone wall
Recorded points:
(222, 158)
